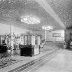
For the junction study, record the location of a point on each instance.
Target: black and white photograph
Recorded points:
(35, 35)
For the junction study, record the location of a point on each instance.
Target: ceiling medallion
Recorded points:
(29, 19)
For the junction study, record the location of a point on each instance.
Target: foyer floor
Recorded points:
(62, 62)
(50, 59)
(23, 62)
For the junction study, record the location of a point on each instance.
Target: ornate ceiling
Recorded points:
(63, 9)
(12, 10)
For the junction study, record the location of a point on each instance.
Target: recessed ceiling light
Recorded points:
(29, 19)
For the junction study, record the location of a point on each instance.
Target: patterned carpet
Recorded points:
(4, 62)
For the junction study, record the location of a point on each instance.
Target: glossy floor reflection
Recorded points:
(62, 62)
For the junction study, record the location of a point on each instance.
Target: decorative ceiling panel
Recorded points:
(12, 10)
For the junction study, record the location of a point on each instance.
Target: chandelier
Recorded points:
(47, 27)
(30, 19)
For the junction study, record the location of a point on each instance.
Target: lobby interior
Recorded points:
(31, 29)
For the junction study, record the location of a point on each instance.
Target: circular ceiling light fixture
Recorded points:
(47, 27)
(29, 19)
